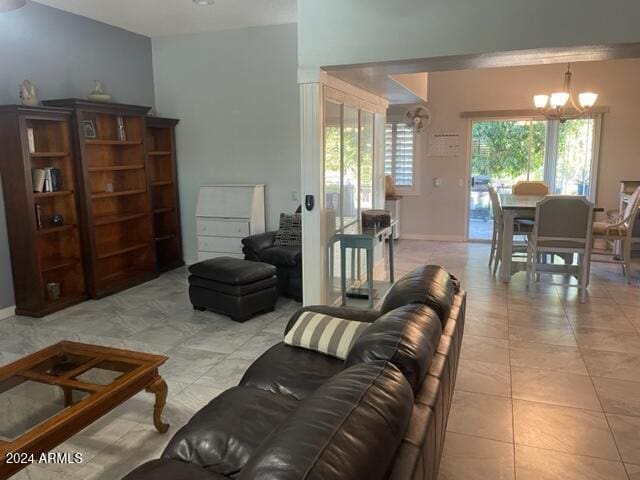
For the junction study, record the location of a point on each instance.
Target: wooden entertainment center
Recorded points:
(107, 215)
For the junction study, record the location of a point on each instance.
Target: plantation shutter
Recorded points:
(399, 153)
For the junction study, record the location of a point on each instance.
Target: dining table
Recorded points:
(516, 206)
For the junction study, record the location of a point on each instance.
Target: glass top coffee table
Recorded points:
(47, 397)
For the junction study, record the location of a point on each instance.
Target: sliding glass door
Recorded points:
(506, 151)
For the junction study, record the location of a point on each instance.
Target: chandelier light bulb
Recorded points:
(587, 99)
(559, 99)
(540, 101)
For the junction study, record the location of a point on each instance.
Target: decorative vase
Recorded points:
(28, 94)
(56, 220)
(98, 94)
(53, 290)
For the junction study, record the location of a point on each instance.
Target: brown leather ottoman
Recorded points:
(233, 287)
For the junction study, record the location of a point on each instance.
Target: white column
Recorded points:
(312, 157)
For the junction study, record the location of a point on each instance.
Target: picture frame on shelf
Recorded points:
(89, 129)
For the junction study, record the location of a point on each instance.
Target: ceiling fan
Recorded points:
(419, 118)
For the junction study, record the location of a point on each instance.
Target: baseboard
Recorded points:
(433, 238)
(7, 312)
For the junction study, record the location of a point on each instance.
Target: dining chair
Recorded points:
(619, 229)
(563, 225)
(530, 188)
(498, 231)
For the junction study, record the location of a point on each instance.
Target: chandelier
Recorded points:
(561, 105)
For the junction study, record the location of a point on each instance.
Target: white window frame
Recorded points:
(417, 149)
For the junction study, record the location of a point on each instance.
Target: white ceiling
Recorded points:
(156, 18)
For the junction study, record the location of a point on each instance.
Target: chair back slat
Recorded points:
(496, 206)
(631, 211)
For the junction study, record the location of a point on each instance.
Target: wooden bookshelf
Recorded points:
(42, 252)
(161, 158)
(118, 199)
(116, 207)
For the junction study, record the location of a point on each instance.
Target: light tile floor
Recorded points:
(547, 388)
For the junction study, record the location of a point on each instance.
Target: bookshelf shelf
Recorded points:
(162, 183)
(118, 218)
(60, 193)
(49, 154)
(122, 251)
(116, 168)
(113, 143)
(51, 230)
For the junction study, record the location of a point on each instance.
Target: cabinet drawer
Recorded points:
(223, 228)
(209, 255)
(219, 244)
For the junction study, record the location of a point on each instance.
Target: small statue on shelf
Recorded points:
(28, 94)
(98, 93)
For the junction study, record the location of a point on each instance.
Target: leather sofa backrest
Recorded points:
(348, 429)
(407, 337)
(431, 285)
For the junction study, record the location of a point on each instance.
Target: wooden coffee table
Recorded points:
(49, 396)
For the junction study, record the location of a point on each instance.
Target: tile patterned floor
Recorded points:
(208, 354)
(547, 388)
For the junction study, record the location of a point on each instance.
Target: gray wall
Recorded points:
(338, 32)
(62, 54)
(237, 97)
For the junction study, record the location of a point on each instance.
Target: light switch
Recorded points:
(294, 196)
(437, 182)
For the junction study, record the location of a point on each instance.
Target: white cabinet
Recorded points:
(225, 214)
(395, 207)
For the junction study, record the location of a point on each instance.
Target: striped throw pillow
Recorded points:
(323, 333)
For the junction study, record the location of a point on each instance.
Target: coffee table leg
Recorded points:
(159, 388)
(68, 396)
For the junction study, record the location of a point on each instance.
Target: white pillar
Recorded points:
(312, 158)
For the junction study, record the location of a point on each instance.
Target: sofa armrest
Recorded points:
(257, 243)
(359, 315)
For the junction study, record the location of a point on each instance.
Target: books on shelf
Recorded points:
(47, 179)
(31, 140)
(37, 179)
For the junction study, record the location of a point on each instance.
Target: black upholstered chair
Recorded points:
(287, 260)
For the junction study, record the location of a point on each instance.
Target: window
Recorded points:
(562, 154)
(571, 164)
(400, 154)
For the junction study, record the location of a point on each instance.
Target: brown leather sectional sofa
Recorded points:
(299, 414)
